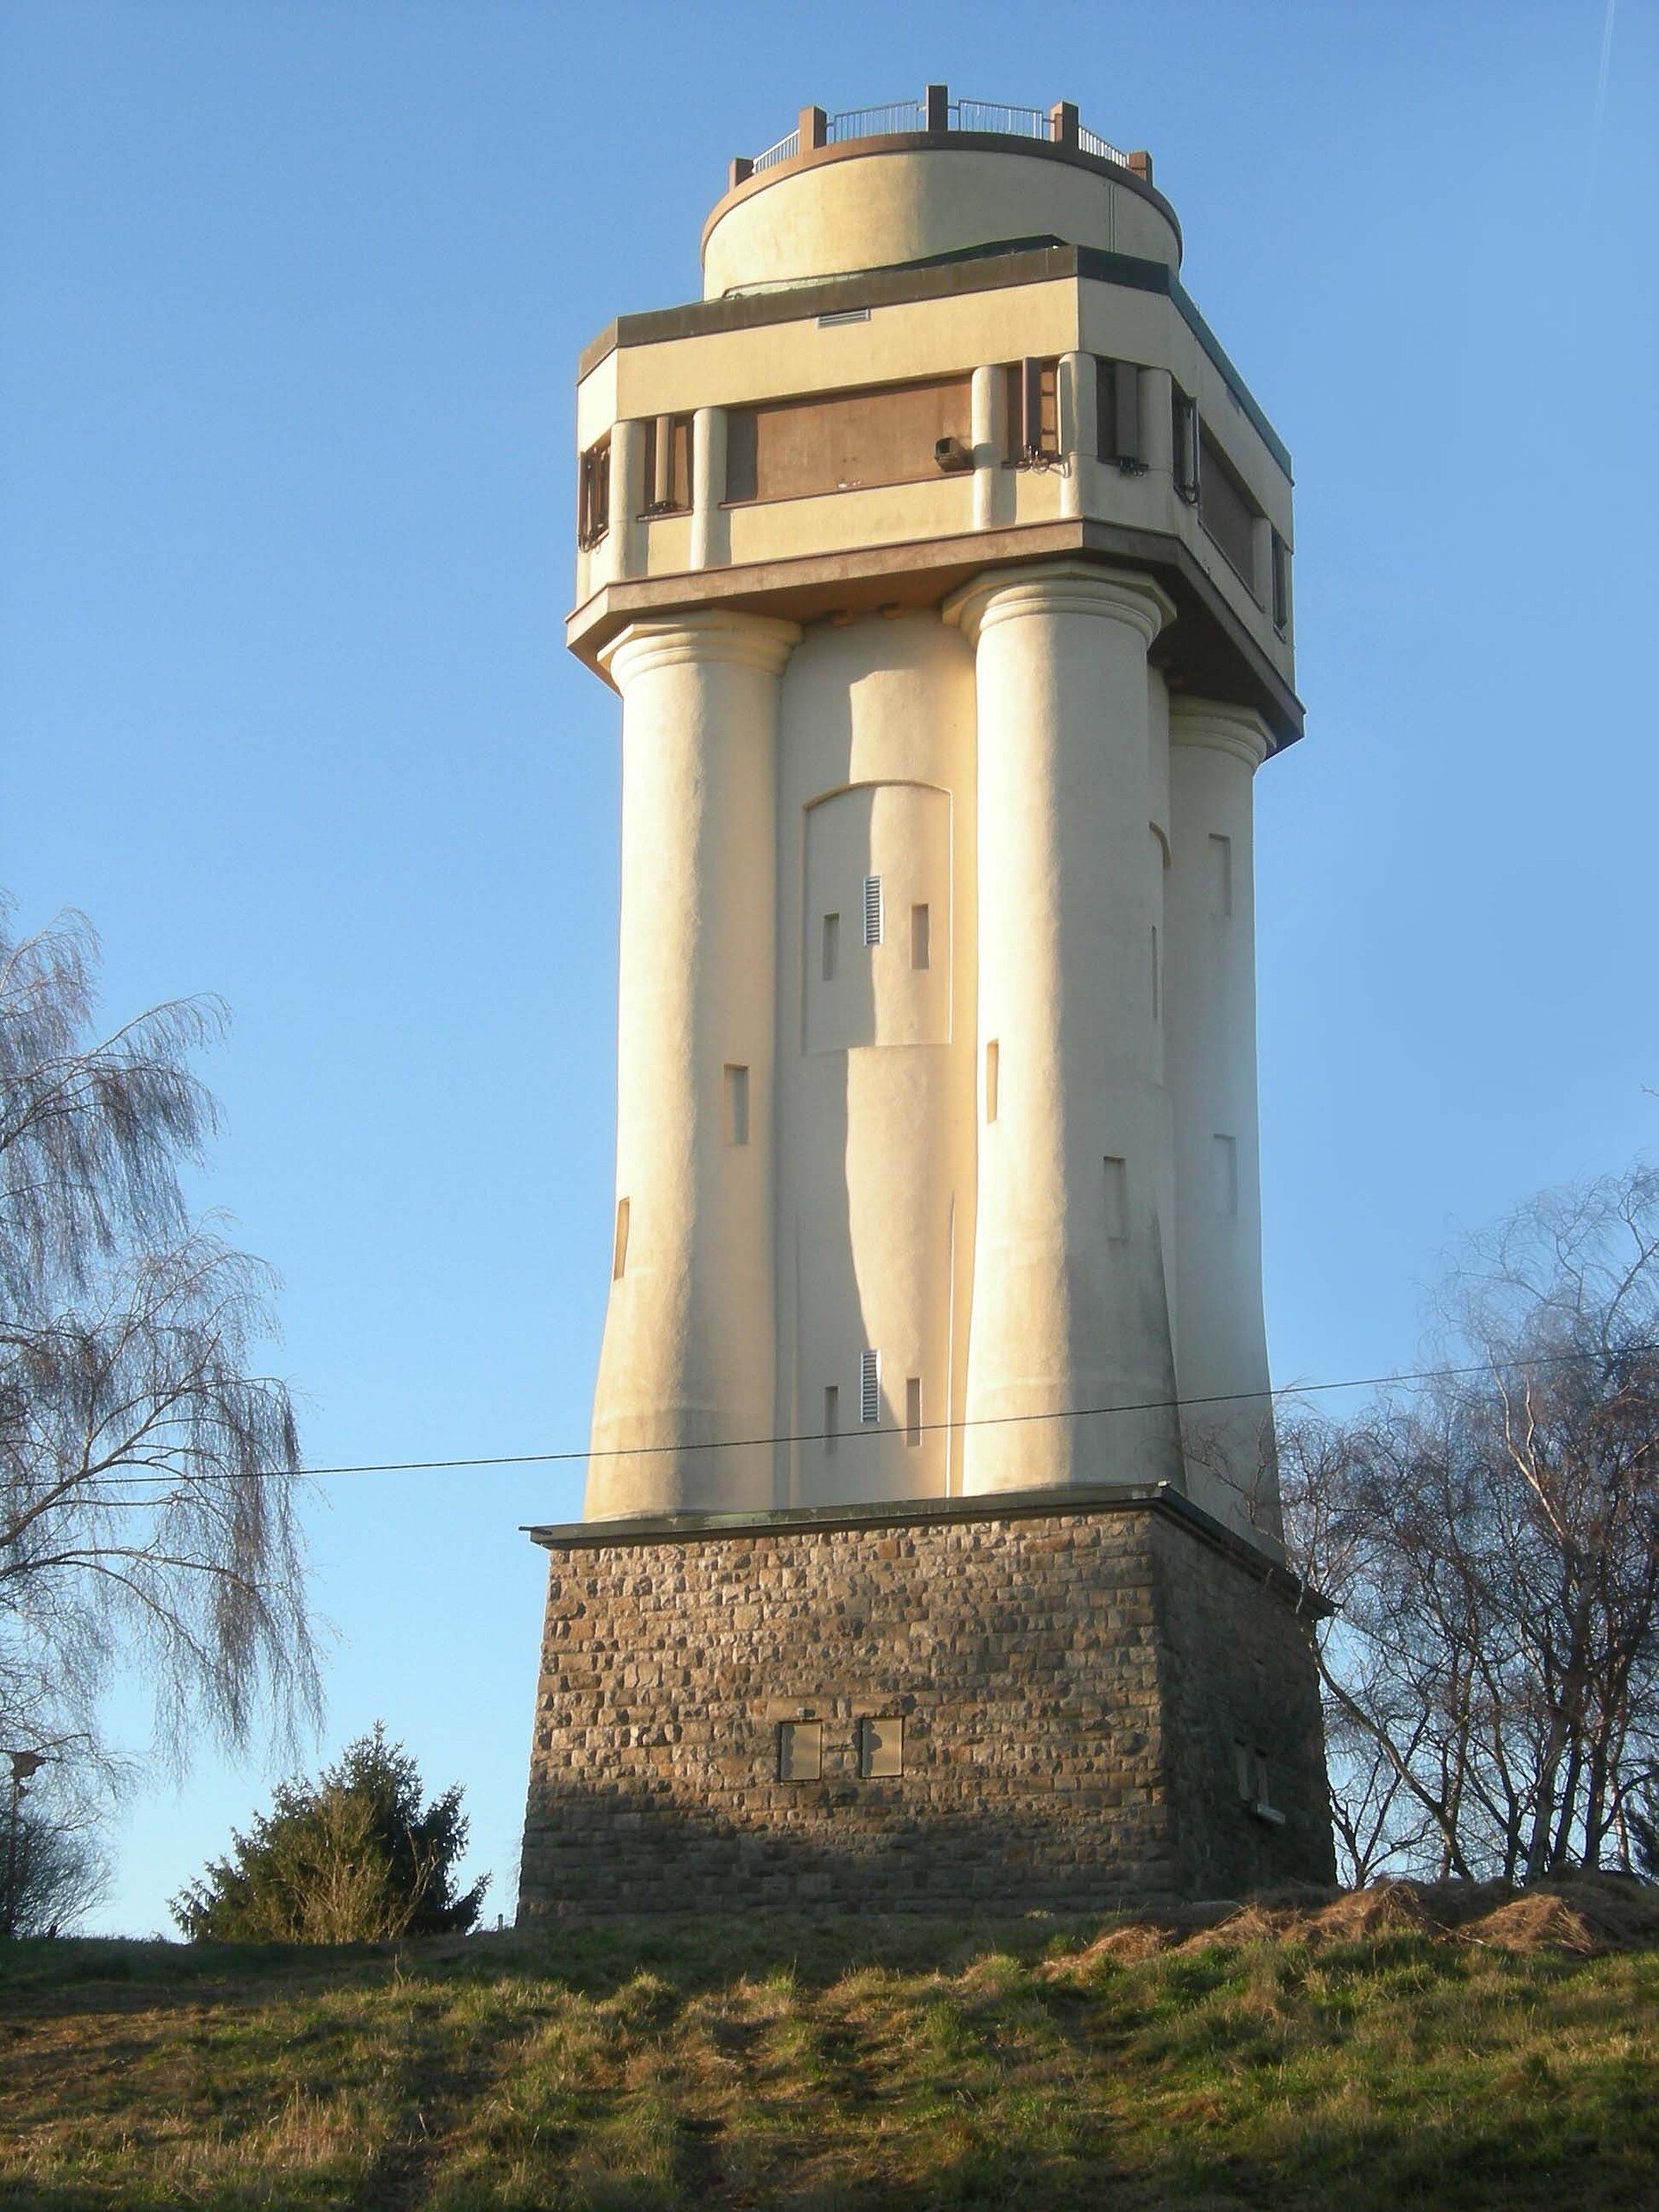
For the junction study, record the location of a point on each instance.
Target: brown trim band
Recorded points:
(1209, 650)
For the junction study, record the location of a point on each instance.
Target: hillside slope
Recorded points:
(1437, 2047)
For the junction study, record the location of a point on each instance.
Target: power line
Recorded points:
(904, 1428)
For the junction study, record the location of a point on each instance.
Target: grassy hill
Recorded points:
(1433, 2048)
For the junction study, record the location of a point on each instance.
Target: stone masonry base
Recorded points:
(1103, 1701)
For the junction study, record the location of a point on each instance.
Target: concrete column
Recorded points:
(993, 480)
(1210, 1043)
(688, 1354)
(626, 537)
(711, 526)
(1079, 395)
(1068, 1306)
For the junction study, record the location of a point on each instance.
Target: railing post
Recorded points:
(1140, 164)
(742, 169)
(938, 108)
(1063, 123)
(814, 129)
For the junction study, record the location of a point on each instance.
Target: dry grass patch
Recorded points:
(1443, 2048)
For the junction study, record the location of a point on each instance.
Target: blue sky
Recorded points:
(292, 297)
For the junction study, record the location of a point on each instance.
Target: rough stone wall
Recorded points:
(1072, 1686)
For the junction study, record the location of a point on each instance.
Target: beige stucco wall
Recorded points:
(874, 209)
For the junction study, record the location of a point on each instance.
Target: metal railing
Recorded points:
(1091, 142)
(785, 150)
(1005, 122)
(885, 121)
(1058, 126)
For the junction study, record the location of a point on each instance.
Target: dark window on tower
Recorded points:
(668, 464)
(1281, 583)
(1184, 440)
(1225, 508)
(1118, 413)
(593, 502)
(1034, 412)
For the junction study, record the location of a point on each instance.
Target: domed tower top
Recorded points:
(917, 181)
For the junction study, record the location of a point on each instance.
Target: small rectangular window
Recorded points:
(668, 464)
(1118, 1199)
(1281, 583)
(1224, 1172)
(594, 504)
(831, 1415)
(1244, 1762)
(1227, 510)
(881, 1747)
(800, 1751)
(921, 938)
(831, 947)
(872, 910)
(737, 1105)
(1034, 410)
(993, 1071)
(869, 1388)
(1183, 428)
(1220, 875)
(913, 1410)
(619, 1249)
(1118, 413)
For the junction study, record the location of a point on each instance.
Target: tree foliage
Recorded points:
(352, 1857)
(1492, 1539)
(146, 1469)
(52, 1871)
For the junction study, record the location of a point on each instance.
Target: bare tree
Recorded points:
(1491, 1540)
(147, 1472)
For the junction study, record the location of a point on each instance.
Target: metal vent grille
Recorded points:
(872, 910)
(869, 1387)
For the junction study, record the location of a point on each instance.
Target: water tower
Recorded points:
(941, 561)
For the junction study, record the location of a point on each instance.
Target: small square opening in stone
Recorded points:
(800, 1751)
(881, 1746)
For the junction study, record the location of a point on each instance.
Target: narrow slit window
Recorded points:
(1183, 426)
(619, 1249)
(881, 1747)
(1224, 1154)
(1221, 875)
(737, 1105)
(913, 1410)
(872, 910)
(993, 1073)
(594, 509)
(1117, 1198)
(831, 947)
(921, 938)
(1118, 413)
(1281, 583)
(831, 1415)
(668, 464)
(800, 1751)
(1157, 979)
(1034, 410)
(869, 1388)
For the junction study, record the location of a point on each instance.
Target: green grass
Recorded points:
(824, 2065)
